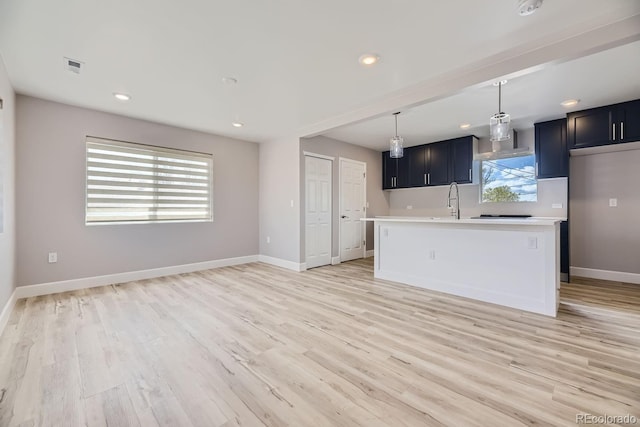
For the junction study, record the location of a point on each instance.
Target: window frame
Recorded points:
(481, 180)
(155, 151)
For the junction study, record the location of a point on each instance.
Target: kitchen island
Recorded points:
(508, 261)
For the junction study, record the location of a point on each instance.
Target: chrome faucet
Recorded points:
(455, 212)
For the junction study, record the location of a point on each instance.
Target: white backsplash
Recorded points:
(432, 201)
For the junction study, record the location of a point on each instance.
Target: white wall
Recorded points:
(602, 237)
(51, 198)
(280, 199)
(7, 188)
(377, 198)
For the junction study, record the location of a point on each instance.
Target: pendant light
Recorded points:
(499, 122)
(396, 150)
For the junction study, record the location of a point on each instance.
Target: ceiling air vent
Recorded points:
(73, 65)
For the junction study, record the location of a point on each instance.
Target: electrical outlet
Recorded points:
(432, 255)
(613, 203)
(556, 206)
(409, 207)
(532, 243)
(268, 239)
(53, 257)
(292, 203)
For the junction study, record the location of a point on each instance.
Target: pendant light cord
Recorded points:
(396, 116)
(500, 97)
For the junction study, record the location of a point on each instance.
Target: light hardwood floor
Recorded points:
(257, 345)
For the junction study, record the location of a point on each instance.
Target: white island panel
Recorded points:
(511, 263)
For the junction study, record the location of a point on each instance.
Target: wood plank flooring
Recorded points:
(256, 345)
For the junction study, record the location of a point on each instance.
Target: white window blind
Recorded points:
(129, 182)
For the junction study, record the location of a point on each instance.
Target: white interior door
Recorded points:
(317, 211)
(352, 208)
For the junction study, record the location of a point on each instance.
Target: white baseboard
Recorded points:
(368, 253)
(92, 282)
(6, 311)
(616, 276)
(279, 262)
(335, 260)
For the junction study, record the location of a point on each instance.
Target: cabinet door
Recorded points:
(439, 163)
(461, 153)
(628, 121)
(402, 172)
(418, 158)
(589, 128)
(389, 168)
(552, 157)
(564, 247)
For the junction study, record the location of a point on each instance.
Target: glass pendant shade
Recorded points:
(499, 127)
(396, 148)
(499, 122)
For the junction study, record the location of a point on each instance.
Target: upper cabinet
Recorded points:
(629, 119)
(552, 156)
(419, 156)
(461, 154)
(438, 163)
(612, 124)
(395, 172)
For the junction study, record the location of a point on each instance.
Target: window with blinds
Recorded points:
(129, 182)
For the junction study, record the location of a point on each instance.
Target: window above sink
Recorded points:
(510, 179)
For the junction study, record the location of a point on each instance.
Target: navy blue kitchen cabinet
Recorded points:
(612, 124)
(461, 155)
(418, 165)
(552, 155)
(437, 163)
(564, 247)
(395, 172)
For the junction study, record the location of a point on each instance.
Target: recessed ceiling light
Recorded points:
(465, 126)
(502, 82)
(237, 124)
(570, 102)
(369, 59)
(122, 96)
(229, 80)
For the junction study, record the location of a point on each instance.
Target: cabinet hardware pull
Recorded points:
(621, 130)
(537, 173)
(614, 131)
(470, 175)
(429, 178)
(425, 179)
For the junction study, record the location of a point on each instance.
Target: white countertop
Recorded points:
(451, 220)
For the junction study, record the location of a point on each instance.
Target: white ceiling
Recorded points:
(600, 79)
(296, 60)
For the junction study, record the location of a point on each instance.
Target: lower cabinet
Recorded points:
(564, 248)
